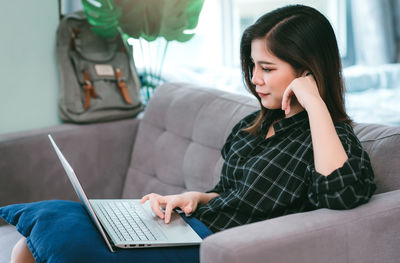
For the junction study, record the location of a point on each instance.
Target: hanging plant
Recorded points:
(146, 20)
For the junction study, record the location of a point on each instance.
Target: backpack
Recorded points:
(98, 79)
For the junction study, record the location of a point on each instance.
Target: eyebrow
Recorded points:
(263, 62)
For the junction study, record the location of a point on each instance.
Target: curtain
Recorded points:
(375, 31)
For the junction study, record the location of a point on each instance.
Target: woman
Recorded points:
(299, 151)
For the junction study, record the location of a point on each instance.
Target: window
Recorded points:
(222, 22)
(204, 49)
(244, 13)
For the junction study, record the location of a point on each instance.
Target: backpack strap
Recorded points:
(122, 86)
(74, 34)
(89, 89)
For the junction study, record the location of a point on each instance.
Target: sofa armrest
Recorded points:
(368, 233)
(99, 154)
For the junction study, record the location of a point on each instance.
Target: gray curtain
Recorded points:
(376, 31)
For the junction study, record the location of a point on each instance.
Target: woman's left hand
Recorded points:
(305, 90)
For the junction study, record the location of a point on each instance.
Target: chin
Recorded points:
(271, 106)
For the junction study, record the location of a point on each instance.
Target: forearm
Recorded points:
(329, 153)
(204, 198)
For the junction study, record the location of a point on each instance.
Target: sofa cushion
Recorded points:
(180, 137)
(383, 146)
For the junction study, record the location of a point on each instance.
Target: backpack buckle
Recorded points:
(122, 86)
(89, 89)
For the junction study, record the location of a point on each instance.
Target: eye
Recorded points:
(267, 69)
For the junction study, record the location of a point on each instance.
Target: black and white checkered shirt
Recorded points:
(265, 178)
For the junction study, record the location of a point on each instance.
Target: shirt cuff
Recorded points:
(338, 179)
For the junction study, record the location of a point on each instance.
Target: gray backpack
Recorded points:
(98, 80)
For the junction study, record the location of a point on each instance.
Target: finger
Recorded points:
(188, 209)
(148, 197)
(284, 101)
(168, 211)
(286, 98)
(287, 110)
(144, 199)
(155, 206)
(288, 101)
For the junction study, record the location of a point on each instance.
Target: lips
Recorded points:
(262, 94)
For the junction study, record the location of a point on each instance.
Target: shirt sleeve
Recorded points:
(348, 186)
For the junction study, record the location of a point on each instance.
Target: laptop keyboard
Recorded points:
(126, 222)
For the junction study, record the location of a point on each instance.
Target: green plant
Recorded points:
(147, 20)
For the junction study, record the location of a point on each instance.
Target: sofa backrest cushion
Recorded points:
(180, 138)
(383, 146)
(184, 128)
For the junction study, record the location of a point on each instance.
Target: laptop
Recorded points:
(125, 223)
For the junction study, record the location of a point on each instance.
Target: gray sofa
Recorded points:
(175, 147)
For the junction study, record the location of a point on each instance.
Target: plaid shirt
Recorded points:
(266, 178)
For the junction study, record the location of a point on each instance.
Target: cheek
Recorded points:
(277, 84)
(282, 81)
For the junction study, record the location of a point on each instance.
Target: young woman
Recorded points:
(299, 151)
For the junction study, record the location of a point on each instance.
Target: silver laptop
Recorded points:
(125, 223)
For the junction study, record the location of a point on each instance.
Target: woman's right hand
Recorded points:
(187, 202)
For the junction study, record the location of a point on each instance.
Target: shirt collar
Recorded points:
(291, 122)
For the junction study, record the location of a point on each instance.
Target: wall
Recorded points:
(28, 69)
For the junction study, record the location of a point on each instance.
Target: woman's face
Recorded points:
(271, 76)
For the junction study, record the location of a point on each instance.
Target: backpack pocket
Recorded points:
(105, 91)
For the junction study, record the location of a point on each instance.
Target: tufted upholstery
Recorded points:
(177, 147)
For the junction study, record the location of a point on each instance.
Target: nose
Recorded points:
(257, 79)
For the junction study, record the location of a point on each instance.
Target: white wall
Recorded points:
(29, 80)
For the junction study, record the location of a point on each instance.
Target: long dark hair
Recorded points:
(304, 38)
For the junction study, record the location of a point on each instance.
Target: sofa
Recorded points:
(175, 146)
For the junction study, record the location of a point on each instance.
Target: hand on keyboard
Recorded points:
(187, 202)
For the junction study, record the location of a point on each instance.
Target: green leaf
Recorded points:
(103, 16)
(193, 11)
(138, 18)
(151, 19)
